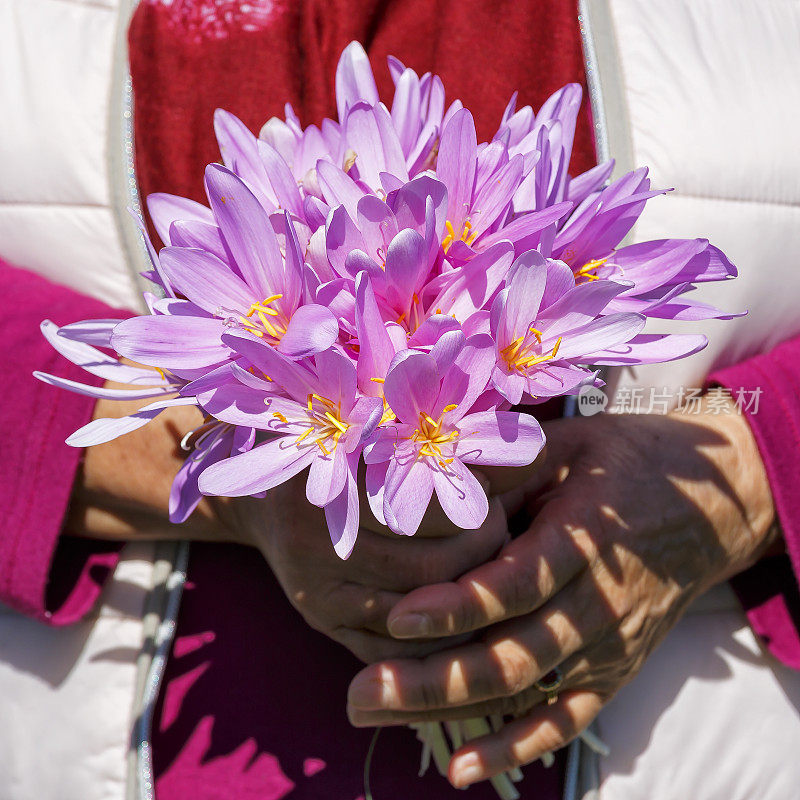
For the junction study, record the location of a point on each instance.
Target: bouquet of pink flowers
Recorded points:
(386, 288)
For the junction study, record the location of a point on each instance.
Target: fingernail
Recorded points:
(409, 626)
(466, 770)
(373, 689)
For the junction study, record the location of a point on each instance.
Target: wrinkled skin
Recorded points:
(122, 493)
(349, 601)
(629, 519)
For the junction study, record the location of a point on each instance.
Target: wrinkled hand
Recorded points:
(122, 493)
(633, 517)
(349, 601)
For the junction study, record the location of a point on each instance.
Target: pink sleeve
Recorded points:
(42, 574)
(769, 389)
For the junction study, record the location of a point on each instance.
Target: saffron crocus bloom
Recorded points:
(205, 445)
(545, 328)
(256, 288)
(481, 183)
(549, 134)
(435, 436)
(143, 383)
(660, 272)
(321, 423)
(418, 110)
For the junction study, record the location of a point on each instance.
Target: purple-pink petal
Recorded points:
(312, 329)
(205, 280)
(260, 469)
(461, 496)
(412, 385)
(247, 231)
(173, 342)
(408, 490)
(342, 513)
(326, 477)
(499, 438)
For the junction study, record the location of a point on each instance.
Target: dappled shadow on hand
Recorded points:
(254, 702)
(649, 519)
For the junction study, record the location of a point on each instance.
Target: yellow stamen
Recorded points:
(325, 422)
(518, 357)
(432, 437)
(350, 157)
(466, 235)
(588, 270)
(337, 423)
(262, 320)
(303, 436)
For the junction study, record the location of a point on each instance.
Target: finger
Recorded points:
(543, 730)
(401, 563)
(527, 571)
(514, 706)
(372, 647)
(577, 672)
(351, 605)
(551, 467)
(510, 660)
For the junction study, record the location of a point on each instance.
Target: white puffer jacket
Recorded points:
(66, 695)
(704, 92)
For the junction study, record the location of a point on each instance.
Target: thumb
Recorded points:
(562, 442)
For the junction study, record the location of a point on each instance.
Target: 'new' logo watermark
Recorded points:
(591, 401)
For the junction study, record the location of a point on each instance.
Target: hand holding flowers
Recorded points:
(630, 519)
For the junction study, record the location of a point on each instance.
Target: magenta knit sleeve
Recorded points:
(768, 390)
(42, 574)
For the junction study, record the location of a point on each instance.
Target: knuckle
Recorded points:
(550, 736)
(517, 705)
(430, 696)
(529, 580)
(516, 668)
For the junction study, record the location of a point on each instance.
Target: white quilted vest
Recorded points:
(66, 695)
(707, 94)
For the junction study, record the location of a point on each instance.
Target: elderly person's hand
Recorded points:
(122, 492)
(633, 517)
(350, 600)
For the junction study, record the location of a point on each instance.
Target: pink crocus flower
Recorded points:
(546, 329)
(206, 445)
(660, 273)
(481, 183)
(396, 244)
(143, 383)
(435, 435)
(255, 288)
(418, 108)
(320, 423)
